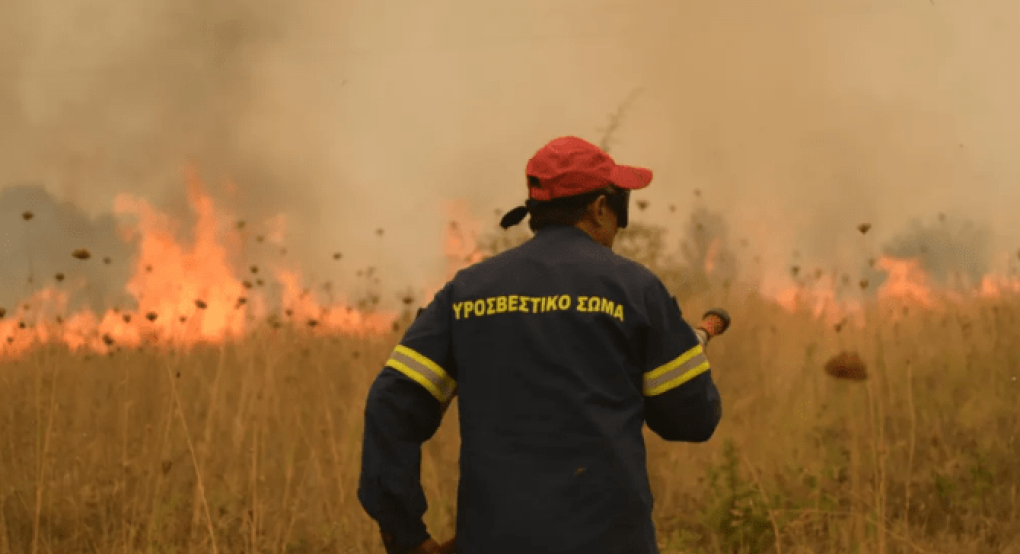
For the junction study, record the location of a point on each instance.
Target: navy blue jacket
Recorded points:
(560, 351)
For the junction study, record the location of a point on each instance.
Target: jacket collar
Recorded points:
(562, 232)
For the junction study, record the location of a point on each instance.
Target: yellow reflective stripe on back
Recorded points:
(424, 371)
(668, 376)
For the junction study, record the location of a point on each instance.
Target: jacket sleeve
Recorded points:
(405, 406)
(681, 401)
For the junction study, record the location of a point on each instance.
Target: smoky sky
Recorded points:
(35, 251)
(797, 119)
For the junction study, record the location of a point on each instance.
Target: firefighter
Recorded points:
(560, 351)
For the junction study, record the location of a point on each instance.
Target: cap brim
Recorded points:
(630, 177)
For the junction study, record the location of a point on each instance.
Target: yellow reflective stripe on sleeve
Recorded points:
(668, 376)
(425, 372)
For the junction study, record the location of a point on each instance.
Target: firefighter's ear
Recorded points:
(601, 210)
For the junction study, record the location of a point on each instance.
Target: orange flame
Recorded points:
(906, 282)
(822, 301)
(998, 286)
(185, 293)
(191, 293)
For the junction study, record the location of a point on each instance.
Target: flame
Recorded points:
(185, 294)
(170, 277)
(307, 311)
(198, 292)
(821, 300)
(906, 282)
(998, 286)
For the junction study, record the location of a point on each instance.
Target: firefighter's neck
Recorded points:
(599, 222)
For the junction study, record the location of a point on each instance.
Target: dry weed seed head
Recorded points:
(846, 365)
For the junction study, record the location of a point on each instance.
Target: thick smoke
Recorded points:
(35, 251)
(797, 119)
(955, 253)
(125, 97)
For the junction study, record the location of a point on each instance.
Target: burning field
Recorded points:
(218, 409)
(185, 355)
(180, 295)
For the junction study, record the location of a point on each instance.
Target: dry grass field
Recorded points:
(254, 446)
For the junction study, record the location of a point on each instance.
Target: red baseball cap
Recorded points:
(569, 166)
